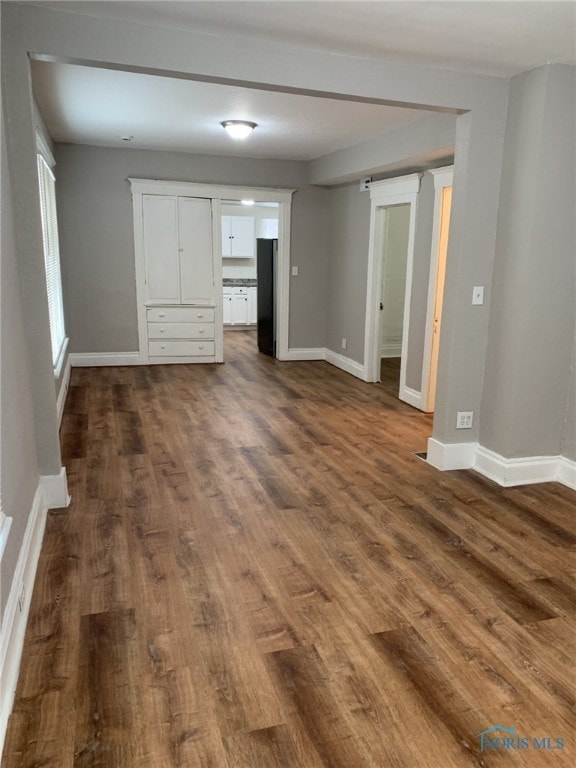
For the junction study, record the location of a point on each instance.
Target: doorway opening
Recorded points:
(403, 330)
(390, 263)
(395, 226)
(250, 269)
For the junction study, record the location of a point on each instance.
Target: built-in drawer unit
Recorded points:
(180, 315)
(179, 348)
(180, 330)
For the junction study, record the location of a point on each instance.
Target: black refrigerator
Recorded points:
(266, 261)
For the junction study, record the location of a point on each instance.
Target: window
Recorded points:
(52, 260)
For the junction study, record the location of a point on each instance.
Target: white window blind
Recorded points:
(51, 257)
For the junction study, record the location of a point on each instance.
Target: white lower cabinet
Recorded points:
(252, 305)
(239, 305)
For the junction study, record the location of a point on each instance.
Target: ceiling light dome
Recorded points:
(238, 129)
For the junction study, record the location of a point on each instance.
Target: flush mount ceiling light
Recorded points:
(238, 129)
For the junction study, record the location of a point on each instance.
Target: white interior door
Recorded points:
(446, 204)
(443, 180)
(161, 257)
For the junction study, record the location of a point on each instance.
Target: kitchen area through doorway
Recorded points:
(249, 243)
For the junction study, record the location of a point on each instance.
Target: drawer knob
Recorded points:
(200, 346)
(161, 330)
(162, 346)
(201, 330)
(200, 316)
(161, 314)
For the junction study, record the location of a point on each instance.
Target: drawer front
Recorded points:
(180, 330)
(180, 315)
(181, 348)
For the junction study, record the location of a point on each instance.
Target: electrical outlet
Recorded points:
(344, 343)
(464, 419)
(21, 599)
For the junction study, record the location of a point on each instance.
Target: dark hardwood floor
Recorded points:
(256, 571)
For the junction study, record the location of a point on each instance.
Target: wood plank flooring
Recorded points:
(256, 571)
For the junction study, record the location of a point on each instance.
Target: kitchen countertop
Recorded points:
(239, 282)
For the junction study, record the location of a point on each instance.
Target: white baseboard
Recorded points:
(54, 490)
(567, 472)
(391, 350)
(413, 398)
(306, 353)
(5, 525)
(451, 455)
(16, 612)
(525, 470)
(61, 400)
(505, 472)
(90, 359)
(346, 364)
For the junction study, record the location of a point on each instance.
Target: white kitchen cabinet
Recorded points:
(252, 305)
(239, 305)
(238, 237)
(227, 307)
(239, 309)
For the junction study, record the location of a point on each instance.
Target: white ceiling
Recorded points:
(501, 37)
(84, 105)
(96, 106)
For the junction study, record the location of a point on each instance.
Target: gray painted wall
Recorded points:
(21, 151)
(97, 237)
(348, 238)
(427, 143)
(18, 465)
(531, 337)
(309, 252)
(569, 431)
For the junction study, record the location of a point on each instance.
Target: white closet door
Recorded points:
(161, 261)
(196, 262)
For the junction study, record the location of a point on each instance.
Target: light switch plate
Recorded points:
(478, 294)
(294, 271)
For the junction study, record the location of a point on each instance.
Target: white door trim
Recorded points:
(384, 194)
(443, 177)
(217, 193)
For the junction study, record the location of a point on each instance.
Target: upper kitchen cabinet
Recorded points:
(177, 238)
(238, 237)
